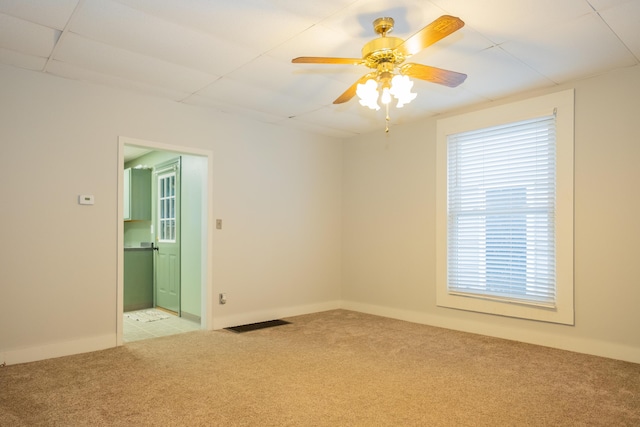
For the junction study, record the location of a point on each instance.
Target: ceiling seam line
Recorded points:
(63, 33)
(616, 35)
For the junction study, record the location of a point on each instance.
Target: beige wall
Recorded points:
(278, 192)
(308, 224)
(389, 226)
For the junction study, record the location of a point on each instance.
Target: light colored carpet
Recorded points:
(337, 368)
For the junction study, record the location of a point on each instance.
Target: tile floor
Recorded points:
(134, 330)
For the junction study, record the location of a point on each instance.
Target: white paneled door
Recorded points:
(167, 262)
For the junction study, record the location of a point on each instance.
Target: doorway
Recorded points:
(191, 300)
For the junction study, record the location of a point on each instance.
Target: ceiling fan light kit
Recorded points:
(386, 55)
(400, 88)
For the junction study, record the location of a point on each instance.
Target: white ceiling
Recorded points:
(235, 55)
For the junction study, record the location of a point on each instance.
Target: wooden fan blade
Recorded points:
(351, 92)
(433, 74)
(437, 30)
(326, 60)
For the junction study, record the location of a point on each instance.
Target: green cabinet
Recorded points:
(137, 194)
(138, 278)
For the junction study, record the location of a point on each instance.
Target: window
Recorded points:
(505, 210)
(501, 211)
(167, 207)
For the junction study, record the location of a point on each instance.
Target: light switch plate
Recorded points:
(85, 199)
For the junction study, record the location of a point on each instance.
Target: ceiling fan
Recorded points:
(386, 55)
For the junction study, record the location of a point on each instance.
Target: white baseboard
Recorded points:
(59, 349)
(562, 342)
(189, 316)
(225, 321)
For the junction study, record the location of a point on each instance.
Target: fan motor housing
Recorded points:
(382, 49)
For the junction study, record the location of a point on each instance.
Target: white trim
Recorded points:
(536, 337)
(207, 222)
(276, 313)
(58, 349)
(563, 103)
(580, 345)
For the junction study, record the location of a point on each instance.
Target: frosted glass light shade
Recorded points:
(368, 94)
(401, 90)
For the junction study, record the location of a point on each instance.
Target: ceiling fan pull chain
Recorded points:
(386, 129)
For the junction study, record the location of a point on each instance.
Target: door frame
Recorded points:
(206, 286)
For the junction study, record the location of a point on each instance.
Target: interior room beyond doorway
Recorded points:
(140, 242)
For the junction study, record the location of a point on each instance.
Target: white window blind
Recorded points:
(501, 209)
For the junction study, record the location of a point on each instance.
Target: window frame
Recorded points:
(563, 105)
(166, 220)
